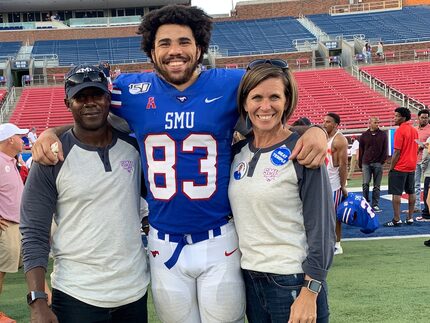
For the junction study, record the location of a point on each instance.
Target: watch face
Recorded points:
(33, 295)
(314, 286)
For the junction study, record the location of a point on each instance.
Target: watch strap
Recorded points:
(34, 295)
(313, 285)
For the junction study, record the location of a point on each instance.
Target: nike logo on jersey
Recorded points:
(228, 254)
(154, 253)
(207, 100)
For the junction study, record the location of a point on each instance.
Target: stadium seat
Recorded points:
(258, 36)
(408, 80)
(41, 108)
(409, 24)
(334, 90)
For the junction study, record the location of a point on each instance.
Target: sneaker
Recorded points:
(409, 221)
(415, 211)
(393, 223)
(338, 250)
(422, 219)
(427, 243)
(376, 209)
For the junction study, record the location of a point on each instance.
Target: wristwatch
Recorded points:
(313, 285)
(33, 295)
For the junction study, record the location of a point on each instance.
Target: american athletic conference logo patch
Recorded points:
(139, 88)
(128, 165)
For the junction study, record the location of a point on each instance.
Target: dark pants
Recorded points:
(372, 170)
(269, 297)
(426, 191)
(70, 310)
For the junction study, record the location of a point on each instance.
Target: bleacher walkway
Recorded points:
(334, 90)
(41, 108)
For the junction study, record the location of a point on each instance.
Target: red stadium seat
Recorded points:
(41, 108)
(334, 90)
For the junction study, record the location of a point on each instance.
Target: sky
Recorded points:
(215, 6)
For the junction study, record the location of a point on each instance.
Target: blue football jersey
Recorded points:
(356, 211)
(185, 140)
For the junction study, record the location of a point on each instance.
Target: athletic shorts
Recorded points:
(337, 198)
(10, 248)
(399, 182)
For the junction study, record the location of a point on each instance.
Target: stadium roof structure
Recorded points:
(49, 5)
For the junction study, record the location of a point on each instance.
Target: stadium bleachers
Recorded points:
(236, 38)
(92, 51)
(9, 48)
(3, 93)
(41, 108)
(407, 25)
(334, 90)
(410, 80)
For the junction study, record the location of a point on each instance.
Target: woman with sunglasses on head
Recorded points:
(283, 211)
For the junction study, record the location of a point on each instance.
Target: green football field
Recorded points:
(373, 281)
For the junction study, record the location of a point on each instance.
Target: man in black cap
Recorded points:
(100, 272)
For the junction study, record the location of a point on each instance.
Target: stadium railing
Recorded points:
(365, 7)
(8, 103)
(407, 82)
(103, 21)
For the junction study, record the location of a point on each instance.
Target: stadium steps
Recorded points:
(18, 91)
(334, 90)
(41, 108)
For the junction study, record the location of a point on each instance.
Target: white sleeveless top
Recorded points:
(333, 172)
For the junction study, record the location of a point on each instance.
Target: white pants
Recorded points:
(205, 285)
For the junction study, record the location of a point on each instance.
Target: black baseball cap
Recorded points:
(83, 76)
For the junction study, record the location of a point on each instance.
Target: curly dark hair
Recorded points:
(198, 21)
(404, 112)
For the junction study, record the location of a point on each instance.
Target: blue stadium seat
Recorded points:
(9, 48)
(92, 51)
(258, 36)
(409, 24)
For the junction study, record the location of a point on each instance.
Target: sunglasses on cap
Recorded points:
(91, 76)
(274, 62)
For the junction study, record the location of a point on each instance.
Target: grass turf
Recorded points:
(380, 281)
(373, 281)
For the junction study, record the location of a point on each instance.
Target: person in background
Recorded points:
(32, 136)
(401, 177)
(380, 50)
(425, 215)
(354, 156)
(373, 152)
(303, 121)
(11, 187)
(22, 167)
(337, 167)
(423, 129)
(284, 212)
(105, 67)
(369, 52)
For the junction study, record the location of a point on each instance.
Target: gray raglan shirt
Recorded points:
(284, 212)
(95, 195)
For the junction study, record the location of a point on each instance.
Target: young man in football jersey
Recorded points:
(337, 167)
(183, 119)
